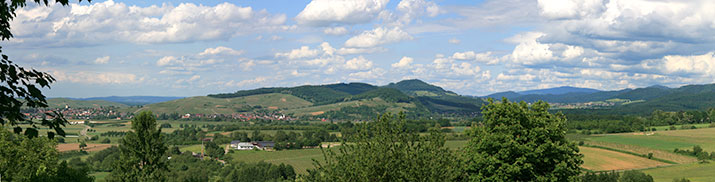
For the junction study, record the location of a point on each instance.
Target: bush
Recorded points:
(650, 155)
(105, 140)
(384, 151)
(681, 180)
(635, 176)
(166, 125)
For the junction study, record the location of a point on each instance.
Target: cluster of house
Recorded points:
(260, 145)
(241, 116)
(80, 113)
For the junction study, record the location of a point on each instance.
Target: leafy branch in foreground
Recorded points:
(19, 86)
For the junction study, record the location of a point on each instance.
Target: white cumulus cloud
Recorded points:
(302, 52)
(358, 63)
(378, 36)
(328, 12)
(335, 30)
(220, 50)
(104, 22)
(405, 62)
(102, 60)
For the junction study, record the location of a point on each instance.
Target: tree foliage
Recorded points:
(635, 176)
(19, 86)
(521, 142)
(386, 151)
(142, 152)
(34, 159)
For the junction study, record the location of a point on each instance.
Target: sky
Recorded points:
(192, 48)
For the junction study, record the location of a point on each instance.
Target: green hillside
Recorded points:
(338, 101)
(378, 105)
(62, 102)
(212, 105)
(419, 88)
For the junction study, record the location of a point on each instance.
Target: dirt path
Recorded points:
(84, 131)
(75, 146)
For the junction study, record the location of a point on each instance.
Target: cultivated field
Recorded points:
(91, 147)
(661, 144)
(665, 140)
(597, 159)
(695, 172)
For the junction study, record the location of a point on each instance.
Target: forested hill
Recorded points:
(416, 87)
(422, 95)
(640, 100)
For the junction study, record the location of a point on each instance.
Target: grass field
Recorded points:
(661, 143)
(695, 172)
(597, 159)
(99, 176)
(665, 140)
(301, 160)
(662, 128)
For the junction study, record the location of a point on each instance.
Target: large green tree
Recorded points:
(34, 159)
(142, 152)
(20, 87)
(385, 150)
(521, 142)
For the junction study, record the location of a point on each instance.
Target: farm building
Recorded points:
(238, 145)
(262, 145)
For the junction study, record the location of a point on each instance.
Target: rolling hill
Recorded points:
(213, 105)
(341, 100)
(62, 102)
(416, 87)
(131, 100)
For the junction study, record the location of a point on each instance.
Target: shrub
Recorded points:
(635, 176)
(105, 140)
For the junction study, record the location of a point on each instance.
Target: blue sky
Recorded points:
(189, 48)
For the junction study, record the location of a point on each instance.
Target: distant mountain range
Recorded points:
(689, 97)
(415, 97)
(130, 100)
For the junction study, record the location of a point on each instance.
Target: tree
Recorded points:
(261, 171)
(635, 176)
(213, 150)
(82, 145)
(521, 142)
(105, 140)
(34, 159)
(142, 152)
(385, 151)
(256, 135)
(19, 86)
